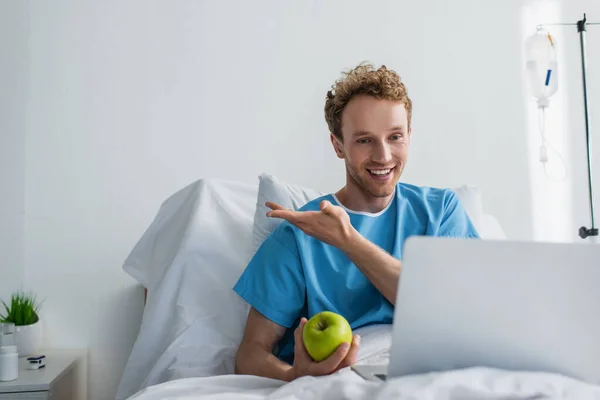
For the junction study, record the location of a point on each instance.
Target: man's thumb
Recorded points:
(325, 206)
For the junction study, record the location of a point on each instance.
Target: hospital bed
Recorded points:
(190, 257)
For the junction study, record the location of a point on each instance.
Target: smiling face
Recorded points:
(374, 144)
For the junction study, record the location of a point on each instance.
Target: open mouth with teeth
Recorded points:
(381, 174)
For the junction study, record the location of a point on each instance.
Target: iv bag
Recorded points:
(540, 49)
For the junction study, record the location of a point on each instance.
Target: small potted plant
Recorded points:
(23, 311)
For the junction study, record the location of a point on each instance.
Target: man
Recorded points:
(342, 252)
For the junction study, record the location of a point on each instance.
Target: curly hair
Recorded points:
(364, 79)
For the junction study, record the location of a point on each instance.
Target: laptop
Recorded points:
(518, 306)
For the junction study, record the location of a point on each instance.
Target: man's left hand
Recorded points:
(330, 225)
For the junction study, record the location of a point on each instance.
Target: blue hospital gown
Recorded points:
(293, 275)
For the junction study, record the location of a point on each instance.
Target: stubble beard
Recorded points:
(371, 188)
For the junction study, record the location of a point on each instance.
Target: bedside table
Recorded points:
(63, 378)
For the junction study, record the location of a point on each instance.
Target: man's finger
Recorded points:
(292, 216)
(352, 353)
(299, 349)
(325, 206)
(331, 363)
(274, 206)
(300, 327)
(329, 209)
(288, 215)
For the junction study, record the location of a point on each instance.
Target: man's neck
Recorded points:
(354, 198)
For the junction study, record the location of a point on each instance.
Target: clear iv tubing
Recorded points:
(544, 150)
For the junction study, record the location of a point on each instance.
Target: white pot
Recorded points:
(28, 339)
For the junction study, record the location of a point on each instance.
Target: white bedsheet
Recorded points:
(471, 384)
(467, 384)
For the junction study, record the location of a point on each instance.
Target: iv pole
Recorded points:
(582, 28)
(585, 232)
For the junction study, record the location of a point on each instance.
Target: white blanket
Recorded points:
(468, 384)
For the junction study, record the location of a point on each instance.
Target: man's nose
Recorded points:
(382, 154)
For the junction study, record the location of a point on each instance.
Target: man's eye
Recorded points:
(397, 137)
(362, 141)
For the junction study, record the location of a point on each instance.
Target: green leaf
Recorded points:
(23, 309)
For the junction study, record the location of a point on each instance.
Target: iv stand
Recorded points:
(585, 232)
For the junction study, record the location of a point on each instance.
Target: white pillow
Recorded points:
(292, 196)
(191, 256)
(270, 188)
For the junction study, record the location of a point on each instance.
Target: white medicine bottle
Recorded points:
(9, 357)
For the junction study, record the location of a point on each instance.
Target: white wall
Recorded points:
(130, 101)
(13, 80)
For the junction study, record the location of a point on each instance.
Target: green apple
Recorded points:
(324, 332)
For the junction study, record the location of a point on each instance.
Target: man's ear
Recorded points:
(337, 146)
